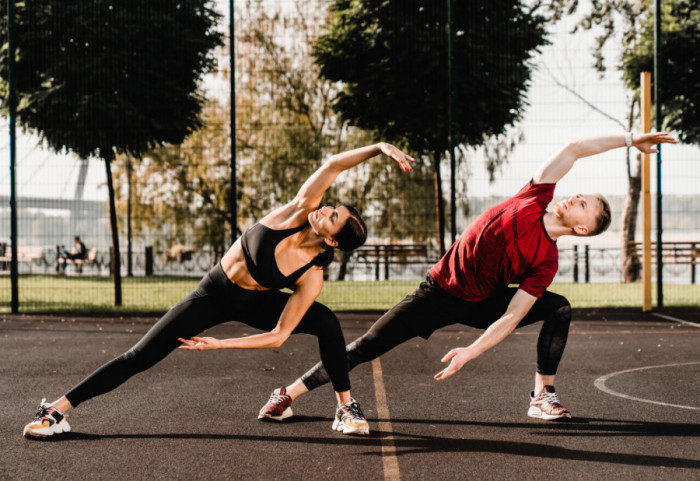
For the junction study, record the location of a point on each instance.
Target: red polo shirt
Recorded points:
(507, 244)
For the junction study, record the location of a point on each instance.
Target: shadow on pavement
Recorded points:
(419, 444)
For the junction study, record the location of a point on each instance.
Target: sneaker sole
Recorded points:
(62, 427)
(341, 427)
(538, 414)
(287, 413)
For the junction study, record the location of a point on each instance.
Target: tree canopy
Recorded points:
(391, 57)
(104, 76)
(679, 65)
(633, 23)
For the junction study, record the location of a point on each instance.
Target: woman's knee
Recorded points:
(321, 321)
(138, 360)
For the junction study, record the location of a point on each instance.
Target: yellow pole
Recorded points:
(646, 194)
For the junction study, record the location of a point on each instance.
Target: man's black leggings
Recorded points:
(216, 300)
(430, 308)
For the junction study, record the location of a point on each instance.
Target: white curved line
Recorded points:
(600, 384)
(674, 319)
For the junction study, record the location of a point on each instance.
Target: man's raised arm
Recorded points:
(555, 168)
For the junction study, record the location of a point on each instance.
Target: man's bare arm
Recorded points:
(519, 306)
(559, 165)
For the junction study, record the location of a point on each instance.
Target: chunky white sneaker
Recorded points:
(546, 405)
(350, 420)
(279, 406)
(47, 422)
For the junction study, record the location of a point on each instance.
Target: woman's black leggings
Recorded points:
(216, 300)
(430, 308)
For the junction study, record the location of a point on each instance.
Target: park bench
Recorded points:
(90, 258)
(30, 255)
(673, 253)
(388, 254)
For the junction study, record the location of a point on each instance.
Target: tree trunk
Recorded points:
(129, 270)
(631, 265)
(439, 204)
(116, 258)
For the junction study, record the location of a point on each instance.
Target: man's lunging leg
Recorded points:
(392, 329)
(555, 310)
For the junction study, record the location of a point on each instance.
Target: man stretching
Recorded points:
(511, 243)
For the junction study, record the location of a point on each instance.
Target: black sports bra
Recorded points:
(259, 243)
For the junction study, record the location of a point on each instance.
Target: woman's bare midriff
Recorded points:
(236, 270)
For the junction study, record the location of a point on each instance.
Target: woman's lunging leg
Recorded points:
(385, 334)
(190, 317)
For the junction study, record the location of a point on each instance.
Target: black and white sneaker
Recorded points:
(350, 420)
(47, 422)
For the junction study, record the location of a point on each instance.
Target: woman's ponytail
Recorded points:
(325, 257)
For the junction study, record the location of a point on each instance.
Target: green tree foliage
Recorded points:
(102, 77)
(633, 23)
(391, 57)
(285, 125)
(180, 192)
(285, 129)
(680, 64)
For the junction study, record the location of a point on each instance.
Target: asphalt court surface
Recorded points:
(633, 387)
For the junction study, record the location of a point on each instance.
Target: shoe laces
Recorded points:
(43, 410)
(277, 398)
(550, 397)
(354, 409)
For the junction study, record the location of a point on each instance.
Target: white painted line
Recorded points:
(391, 463)
(600, 384)
(662, 316)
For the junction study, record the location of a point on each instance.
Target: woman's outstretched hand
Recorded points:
(200, 343)
(398, 156)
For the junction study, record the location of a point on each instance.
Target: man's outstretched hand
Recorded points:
(458, 357)
(646, 142)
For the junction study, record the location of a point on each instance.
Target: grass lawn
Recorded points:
(86, 294)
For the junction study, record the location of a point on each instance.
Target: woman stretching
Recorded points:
(288, 248)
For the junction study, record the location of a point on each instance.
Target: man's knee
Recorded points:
(361, 350)
(556, 305)
(563, 312)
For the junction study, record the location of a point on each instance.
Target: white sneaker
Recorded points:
(47, 422)
(350, 420)
(546, 405)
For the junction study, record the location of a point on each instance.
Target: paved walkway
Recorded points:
(633, 387)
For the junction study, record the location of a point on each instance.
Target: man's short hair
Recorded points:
(604, 217)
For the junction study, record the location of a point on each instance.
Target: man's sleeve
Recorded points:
(539, 277)
(542, 193)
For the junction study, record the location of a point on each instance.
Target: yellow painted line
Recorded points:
(391, 463)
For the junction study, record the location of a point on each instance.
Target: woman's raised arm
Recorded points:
(313, 189)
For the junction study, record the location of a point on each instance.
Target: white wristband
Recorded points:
(628, 139)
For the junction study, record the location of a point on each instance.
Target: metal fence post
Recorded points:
(148, 259)
(387, 261)
(576, 263)
(586, 264)
(376, 263)
(692, 263)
